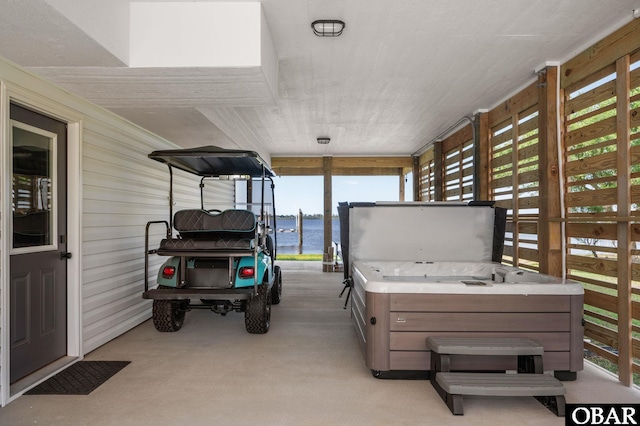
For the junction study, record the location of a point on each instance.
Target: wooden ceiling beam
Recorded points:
(361, 171)
(342, 166)
(372, 162)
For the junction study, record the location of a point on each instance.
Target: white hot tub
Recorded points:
(399, 301)
(380, 276)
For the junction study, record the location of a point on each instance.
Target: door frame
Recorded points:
(39, 102)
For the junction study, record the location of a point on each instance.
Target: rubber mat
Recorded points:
(81, 378)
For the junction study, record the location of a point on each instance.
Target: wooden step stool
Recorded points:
(545, 388)
(530, 382)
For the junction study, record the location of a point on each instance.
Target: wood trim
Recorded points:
(484, 147)
(458, 139)
(312, 171)
(601, 334)
(605, 231)
(596, 95)
(297, 162)
(427, 156)
(342, 166)
(601, 128)
(594, 218)
(598, 197)
(549, 233)
(623, 125)
(327, 165)
(602, 317)
(439, 171)
(372, 162)
(417, 177)
(601, 352)
(520, 102)
(590, 79)
(600, 300)
(298, 171)
(515, 196)
(592, 265)
(586, 280)
(591, 164)
(458, 153)
(367, 171)
(601, 54)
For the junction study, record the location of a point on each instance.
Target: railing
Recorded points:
(147, 252)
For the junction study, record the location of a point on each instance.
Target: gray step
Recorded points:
(500, 384)
(484, 346)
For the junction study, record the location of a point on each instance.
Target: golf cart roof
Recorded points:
(214, 161)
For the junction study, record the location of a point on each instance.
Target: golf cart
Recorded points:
(221, 260)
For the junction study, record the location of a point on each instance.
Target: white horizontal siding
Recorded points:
(122, 190)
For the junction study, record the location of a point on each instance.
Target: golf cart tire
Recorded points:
(276, 290)
(168, 315)
(257, 316)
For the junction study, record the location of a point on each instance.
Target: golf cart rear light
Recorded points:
(246, 272)
(168, 271)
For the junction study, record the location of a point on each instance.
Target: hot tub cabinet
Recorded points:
(394, 314)
(420, 270)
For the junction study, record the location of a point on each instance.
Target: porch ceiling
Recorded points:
(401, 73)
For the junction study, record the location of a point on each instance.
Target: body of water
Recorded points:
(312, 235)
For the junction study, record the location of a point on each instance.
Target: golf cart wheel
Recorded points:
(257, 316)
(168, 315)
(276, 290)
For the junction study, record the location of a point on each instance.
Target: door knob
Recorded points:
(65, 255)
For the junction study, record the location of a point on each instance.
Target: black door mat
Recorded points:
(81, 378)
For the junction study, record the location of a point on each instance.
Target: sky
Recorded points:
(307, 192)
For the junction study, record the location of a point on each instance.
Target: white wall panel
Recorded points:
(123, 189)
(118, 189)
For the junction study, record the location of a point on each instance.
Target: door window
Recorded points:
(34, 219)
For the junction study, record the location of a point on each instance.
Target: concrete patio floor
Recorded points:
(307, 370)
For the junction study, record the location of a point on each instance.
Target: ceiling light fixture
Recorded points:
(327, 27)
(323, 141)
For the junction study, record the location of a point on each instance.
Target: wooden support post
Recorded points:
(417, 196)
(481, 186)
(401, 186)
(625, 312)
(327, 163)
(549, 233)
(300, 229)
(439, 171)
(515, 193)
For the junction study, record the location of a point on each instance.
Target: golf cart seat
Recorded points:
(198, 229)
